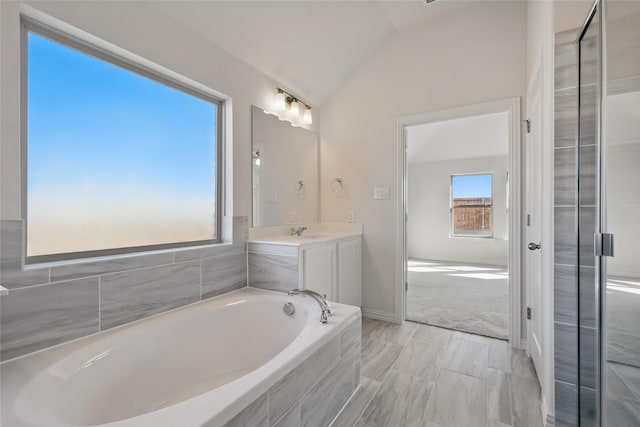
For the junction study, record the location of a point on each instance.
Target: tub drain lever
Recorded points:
(289, 308)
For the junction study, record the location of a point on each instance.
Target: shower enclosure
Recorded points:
(607, 213)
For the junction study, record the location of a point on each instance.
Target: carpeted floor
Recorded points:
(465, 297)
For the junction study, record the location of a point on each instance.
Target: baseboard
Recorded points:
(550, 421)
(547, 415)
(379, 315)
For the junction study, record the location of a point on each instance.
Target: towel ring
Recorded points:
(337, 185)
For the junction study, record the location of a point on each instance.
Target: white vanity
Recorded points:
(326, 258)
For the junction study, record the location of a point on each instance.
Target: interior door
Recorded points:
(533, 220)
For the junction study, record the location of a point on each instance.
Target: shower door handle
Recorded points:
(534, 246)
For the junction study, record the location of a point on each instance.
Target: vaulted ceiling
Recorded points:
(310, 47)
(463, 138)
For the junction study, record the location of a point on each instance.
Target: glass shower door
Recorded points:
(620, 215)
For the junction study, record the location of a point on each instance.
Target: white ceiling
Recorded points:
(310, 47)
(470, 137)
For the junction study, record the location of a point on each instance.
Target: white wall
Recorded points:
(429, 224)
(474, 56)
(570, 14)
(145, 31)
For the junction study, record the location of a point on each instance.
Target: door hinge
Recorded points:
(528, 313)
(527, 123)
(528, 220)
(406, 286)
(603, 244)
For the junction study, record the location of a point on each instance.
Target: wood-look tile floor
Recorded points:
(423, 376)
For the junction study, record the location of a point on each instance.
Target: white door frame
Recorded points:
(512, 107)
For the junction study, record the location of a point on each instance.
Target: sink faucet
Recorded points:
(297, 231)
(320, 299)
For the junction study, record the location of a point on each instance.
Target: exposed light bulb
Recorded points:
(257, 161)
(307, 116)
(294, 109)
(280, 102)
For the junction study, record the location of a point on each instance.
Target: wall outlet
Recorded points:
(351, 216)
(380, 193)
(292, 216)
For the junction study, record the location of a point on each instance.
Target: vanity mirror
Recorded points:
(285, 171)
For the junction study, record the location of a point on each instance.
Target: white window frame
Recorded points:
(452, 207)
(96, 48)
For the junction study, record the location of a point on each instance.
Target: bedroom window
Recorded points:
(472, 205)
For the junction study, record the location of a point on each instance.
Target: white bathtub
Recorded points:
(197, 365)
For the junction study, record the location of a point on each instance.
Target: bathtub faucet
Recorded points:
(320, 299)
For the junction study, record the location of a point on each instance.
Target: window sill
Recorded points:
(116, 257)
(454, 236)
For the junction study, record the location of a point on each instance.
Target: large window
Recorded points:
(119, 158)
(471, 205)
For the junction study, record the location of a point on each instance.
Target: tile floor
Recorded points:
(424, 376)
(623, 395)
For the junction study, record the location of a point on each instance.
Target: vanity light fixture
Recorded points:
(281, 102)
(284, 101)
(294, 109)
(307, 116)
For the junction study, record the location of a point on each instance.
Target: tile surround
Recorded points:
(104, 293)
(566, 118)
(223, 274)
(133, 295)
(360, 400)
(313, 393)
(41, 316)
(574, 278)
(565, 236)
(287, 391)
(324, 400)
(273, 272)
(566, 414)
(566, 294)
(566, 353)
(96, 268)
(256, 414)
(291, 418)
(565, 177)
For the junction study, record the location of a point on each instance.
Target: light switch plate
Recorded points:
(380, 193)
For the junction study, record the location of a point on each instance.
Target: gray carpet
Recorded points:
(623, 320)
(465, 297)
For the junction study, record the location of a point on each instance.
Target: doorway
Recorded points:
(460, 229)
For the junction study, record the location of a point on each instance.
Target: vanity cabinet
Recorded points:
(319, 270)
(334, 269)
(350, 271)
(326, 259)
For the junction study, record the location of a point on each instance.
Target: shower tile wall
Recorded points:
(574, 277)
(566, 225)
(587, 189)
(52, 305)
